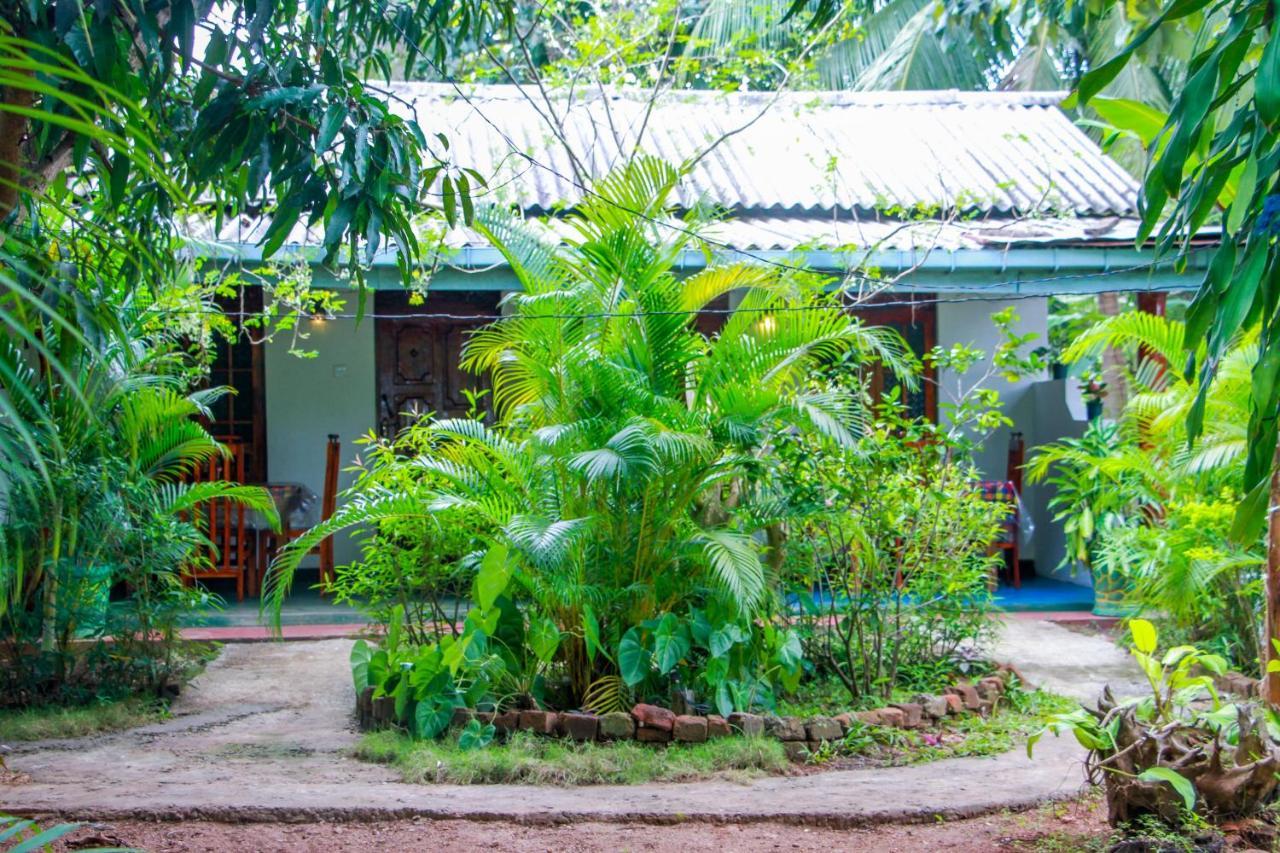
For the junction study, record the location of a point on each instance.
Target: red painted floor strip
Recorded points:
(259, 634)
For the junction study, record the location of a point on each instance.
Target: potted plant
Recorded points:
(1094, 390)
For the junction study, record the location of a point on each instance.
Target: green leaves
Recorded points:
(1180, 783)
(360, 656)
(670, 643)
(543, 638)
(493, 577)
(1144, 635)
(633, 658)
(475, 735)
(1266, 83)
(432, 716)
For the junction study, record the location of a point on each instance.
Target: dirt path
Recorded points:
(1063, 827)
(263, 734)
(1068, 662)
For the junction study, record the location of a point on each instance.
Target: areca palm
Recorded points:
(114, 433)
(1165, 398)
(628, 439)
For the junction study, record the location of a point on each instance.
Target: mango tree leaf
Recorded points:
(1180, 783)
(1266, 85)
(1142, 120)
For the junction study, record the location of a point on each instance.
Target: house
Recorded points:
(959, 203)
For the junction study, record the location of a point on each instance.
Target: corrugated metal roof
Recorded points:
(838, 233)
(997, 154)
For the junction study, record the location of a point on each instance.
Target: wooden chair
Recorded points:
(1008, 543)
(223, 522)
(328, 503)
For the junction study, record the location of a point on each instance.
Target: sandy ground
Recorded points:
(256, 757)
(1069, 825)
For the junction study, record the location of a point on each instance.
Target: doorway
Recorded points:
(418, 355)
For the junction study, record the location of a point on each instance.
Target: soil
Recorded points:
(257, 756)
(1069, 826)
(265, 734)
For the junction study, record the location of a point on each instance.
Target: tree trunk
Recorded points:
(1271, 680)
(1112, 362)
(13, 131)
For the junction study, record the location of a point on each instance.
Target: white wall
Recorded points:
(1041, 410)
(309, 398)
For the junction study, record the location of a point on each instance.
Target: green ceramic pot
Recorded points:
(1110, 591)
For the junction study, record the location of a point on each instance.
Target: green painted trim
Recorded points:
(1022, 272)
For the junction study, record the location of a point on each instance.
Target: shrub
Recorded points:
(617, 483)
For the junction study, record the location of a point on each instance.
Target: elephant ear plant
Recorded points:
(1179, 749)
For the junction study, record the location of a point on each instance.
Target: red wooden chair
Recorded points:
(1008, 492)
(223, 521)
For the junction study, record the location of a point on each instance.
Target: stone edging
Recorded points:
(653, 724)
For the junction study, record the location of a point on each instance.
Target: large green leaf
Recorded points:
(1180, 783)
(670, 643)
(633, 658)
(360, 656)
(494, 575)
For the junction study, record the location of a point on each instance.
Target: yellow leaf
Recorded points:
(1144, 635)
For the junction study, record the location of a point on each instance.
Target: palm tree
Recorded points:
(628, 440)
(928, 44)
(99, 426)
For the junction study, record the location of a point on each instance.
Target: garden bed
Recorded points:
(653, 744)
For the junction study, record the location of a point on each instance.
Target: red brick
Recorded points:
(538, 722)
(690, 729)
(647, 735)
(717, 726)
(912, 714)
(578, 726)
(990, 687)
(796, 750)
(750, 725)
(507, 721)
(653, 717)
(955, 704)
(968, 694)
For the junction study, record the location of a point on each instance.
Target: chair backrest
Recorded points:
(329, 496)
(1017, 450)
(222, 519)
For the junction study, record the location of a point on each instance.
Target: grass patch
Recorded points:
(1019, 714)
(527, 759)
(47, 722)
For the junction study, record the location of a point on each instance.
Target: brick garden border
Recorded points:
(656, 725)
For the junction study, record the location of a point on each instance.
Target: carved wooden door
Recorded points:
(418, 356)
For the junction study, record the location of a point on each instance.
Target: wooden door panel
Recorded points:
(419, 354)
(415, 355)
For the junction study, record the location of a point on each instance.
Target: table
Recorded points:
(298, 508)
